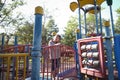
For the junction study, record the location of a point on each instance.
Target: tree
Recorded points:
(9, 20)
(50, 28)
(117, 24)
(25, 33)
(69, 36)
(90, 23)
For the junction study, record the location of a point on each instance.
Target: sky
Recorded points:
(60, 10)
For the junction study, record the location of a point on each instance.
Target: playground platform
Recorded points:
(18, 66)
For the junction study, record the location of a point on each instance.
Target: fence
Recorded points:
(18, 66)
(66, 63)
(13, 66)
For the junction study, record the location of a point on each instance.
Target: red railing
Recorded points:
(18, 48)
(66, 63)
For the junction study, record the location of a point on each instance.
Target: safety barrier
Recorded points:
(18, 66)
(63, 59)
(13, 66)
(18, 48)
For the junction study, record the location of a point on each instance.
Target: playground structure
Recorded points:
(91, 57)
(98, 63)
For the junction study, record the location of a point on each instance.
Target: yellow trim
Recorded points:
(8, 68)
(14, 55)
(93, 11)
(73, 6)
(39, 10)
(17, 68)
(24, 68)
(7, 61)
(77, 30)
(107, 23)
(54, 33)
(86, 2)
(96, 78)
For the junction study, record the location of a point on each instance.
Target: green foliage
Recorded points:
(50, 28)
(8, 19)
(69, 36)
(25, 33)
(117, 24)
(90, 23)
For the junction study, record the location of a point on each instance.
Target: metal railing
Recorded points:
(18, 66)
(65, 63)
(13, 66)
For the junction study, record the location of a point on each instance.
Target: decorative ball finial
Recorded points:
(39, 10)
(53, 33)
(107, 23)
(77, 30)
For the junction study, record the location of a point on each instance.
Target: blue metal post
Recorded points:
(77, 57)
(85, 24)
(109, 3)
(79, 15)
(108, 44)
(113, 33)
(96, 17)
(36, 50)
(101, 30)
(26, 48)
(27, 59)
(14, 59)
(117, 53)
(77, 34)
(16, 44)
(3, 40)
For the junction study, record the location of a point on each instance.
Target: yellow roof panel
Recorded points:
(85, 2)
(74, 5)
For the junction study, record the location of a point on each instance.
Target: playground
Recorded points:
(95, 56)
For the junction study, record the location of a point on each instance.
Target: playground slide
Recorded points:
(68, 73)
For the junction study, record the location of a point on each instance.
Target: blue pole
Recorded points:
(3, 41)
(111, 14)
(77, 34)
(101, 30)
(96, 17)
(79, 15)
(109, 3)
(77, 57)
(85, 24)
(108, 44)
(117, 53)
(27, 59)
(14, 59)
(16, 44)
(37, 44)
(77, 62)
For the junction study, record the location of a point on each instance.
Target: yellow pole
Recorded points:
(8, 68)
(24, 68)
(96, 78)
(17, 68)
